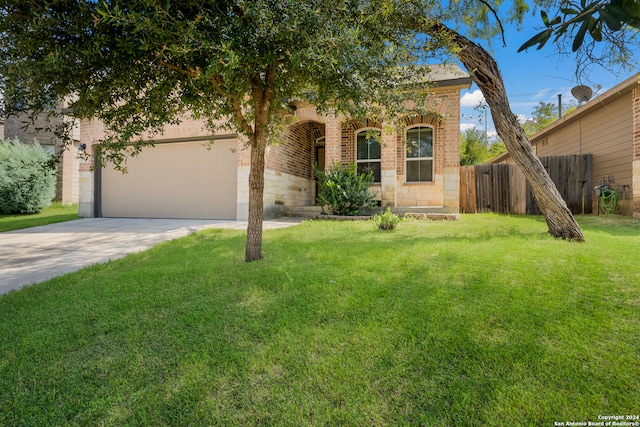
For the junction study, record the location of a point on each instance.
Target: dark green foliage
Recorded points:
(344, 191)
(27, 183)
(137, 66)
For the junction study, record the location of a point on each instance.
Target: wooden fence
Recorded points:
(503, 187)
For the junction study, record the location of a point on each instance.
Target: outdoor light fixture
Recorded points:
(82, 151)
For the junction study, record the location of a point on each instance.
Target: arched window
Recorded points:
(368, 152)
(420, 154)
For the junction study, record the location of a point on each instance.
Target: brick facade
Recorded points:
(289, 178)
(296, 152)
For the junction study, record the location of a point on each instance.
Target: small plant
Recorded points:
(344, 191)
(387, 220)
(27, 181)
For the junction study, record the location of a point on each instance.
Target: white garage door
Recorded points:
(174, 180)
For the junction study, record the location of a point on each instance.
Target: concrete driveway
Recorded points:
(36, 254)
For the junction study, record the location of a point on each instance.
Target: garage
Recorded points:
(174, 180)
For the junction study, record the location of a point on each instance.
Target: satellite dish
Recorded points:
(582, 93)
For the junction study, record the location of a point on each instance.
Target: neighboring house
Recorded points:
(185, 176)
(68, 172)
(608, 128)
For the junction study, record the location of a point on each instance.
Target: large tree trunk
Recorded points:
(256, 193)
(262, 93)
(484, 72)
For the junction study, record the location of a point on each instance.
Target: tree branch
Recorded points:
(189, 72)
(495, 14)
(217, 83)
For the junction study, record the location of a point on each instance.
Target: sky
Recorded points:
(533, 76)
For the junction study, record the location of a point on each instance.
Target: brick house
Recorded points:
(67, 183)
(608, 128)
(188, 174)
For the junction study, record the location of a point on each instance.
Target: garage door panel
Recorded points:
(180, 180)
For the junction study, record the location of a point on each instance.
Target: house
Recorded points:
(608, 128)
(68, 172)
(189, 174)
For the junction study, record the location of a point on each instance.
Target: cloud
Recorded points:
(466, 126)
(521, 118)
(472, 99)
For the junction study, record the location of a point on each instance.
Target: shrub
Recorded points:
(27, 180)
(344, 191)
(387, 220)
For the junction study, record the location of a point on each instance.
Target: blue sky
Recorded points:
(533, 76)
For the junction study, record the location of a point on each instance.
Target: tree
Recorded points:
(137, 66)
(474, 147)
(621, 19)
(544, 114)
(497, 148)
(602, 20)
(485, 73)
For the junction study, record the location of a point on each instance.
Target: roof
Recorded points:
(448, 75)
(437, 75)
(601, 101)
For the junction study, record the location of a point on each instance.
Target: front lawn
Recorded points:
(49, 215)
(482, 322)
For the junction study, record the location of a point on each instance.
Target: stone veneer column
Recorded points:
(635, 112)
(244, 168)
(86, 193)
(388, 165)
(67, 174)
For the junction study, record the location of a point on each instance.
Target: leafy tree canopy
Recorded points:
(603, 32)
(140, 65)
(600, 19)
(476, 148)
(544, 114)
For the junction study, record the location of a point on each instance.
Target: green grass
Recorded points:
(49, 215)
(483, 322)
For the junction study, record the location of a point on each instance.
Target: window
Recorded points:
(420, 154)
(368, 153)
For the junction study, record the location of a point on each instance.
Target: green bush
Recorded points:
(387, 220)
(27, 181)
(344, 191)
